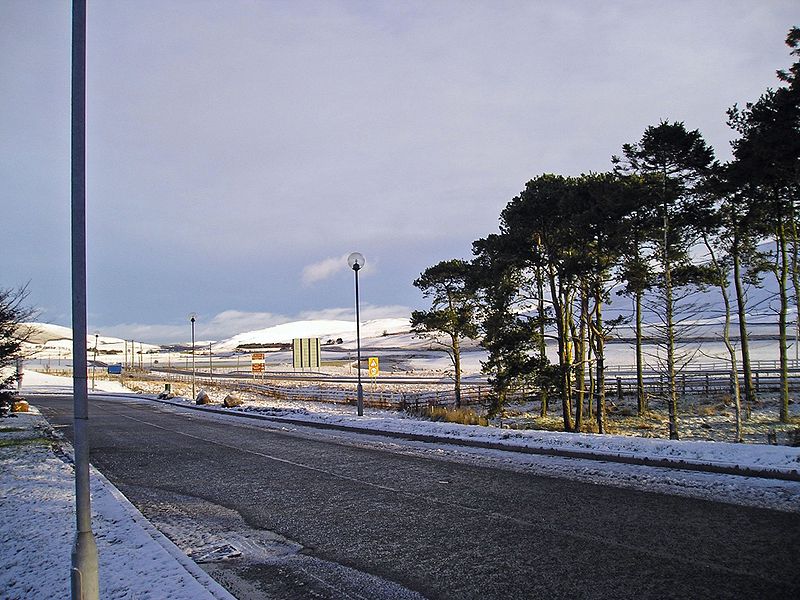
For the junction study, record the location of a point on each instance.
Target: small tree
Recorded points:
(13, 334)
(452, 311)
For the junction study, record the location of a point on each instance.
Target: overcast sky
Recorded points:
(238, 151)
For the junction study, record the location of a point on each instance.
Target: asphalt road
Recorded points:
(327, 518)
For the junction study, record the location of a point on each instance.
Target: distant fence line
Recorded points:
(689, 383)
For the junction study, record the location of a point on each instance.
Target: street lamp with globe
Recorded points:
(356, 262)
(192, 318)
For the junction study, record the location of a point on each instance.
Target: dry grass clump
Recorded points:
(23, 441)
(465, 416)
(547, 424)
(712, 410)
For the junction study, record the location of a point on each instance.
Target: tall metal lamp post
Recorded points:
(356, 261)
(192, 317)
(94, 362)
(84, 579)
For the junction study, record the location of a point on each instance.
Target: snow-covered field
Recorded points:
(54, 343)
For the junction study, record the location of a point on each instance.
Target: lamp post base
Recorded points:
(84, 574)
(360, 400)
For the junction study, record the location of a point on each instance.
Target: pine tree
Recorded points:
(675, 160)
(452, 312)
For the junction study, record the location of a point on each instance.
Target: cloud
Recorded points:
(145, 333)
(328, 267)
(324, 269)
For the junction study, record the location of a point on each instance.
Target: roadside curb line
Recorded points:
(209, 583)
(629, 459)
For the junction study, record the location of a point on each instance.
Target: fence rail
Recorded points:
(689, 383)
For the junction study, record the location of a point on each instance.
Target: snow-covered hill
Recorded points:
(323, 329)
(47, 338)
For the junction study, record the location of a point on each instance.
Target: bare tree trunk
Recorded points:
(457, 368)
(542, 343)
(796, 286)
(601, 366)
(581, 355)
(734, 371)
(722, 283)
(782, 272)
(749, 390)
(569, 358)
(592, 382)
(641, 396)
(563, 349)
(669, 309)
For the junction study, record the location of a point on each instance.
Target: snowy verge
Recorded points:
(37, 529)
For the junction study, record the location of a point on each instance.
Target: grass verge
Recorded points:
(23, 441)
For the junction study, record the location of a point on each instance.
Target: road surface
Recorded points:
(306, 514)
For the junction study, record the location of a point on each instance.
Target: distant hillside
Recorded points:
(56, 336)
(323, 329)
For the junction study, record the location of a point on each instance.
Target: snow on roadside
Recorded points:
(747, 456)
(35, 382)
(38, 527)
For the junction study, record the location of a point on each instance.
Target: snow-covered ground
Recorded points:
(136, 562)
(37, 528)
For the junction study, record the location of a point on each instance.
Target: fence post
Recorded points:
(619, 388)
(707, 385)
(758, 386)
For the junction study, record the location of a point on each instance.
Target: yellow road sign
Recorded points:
(374, 366)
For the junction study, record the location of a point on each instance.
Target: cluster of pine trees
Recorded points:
(566, 242)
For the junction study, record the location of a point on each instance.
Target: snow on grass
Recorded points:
(38, 528)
